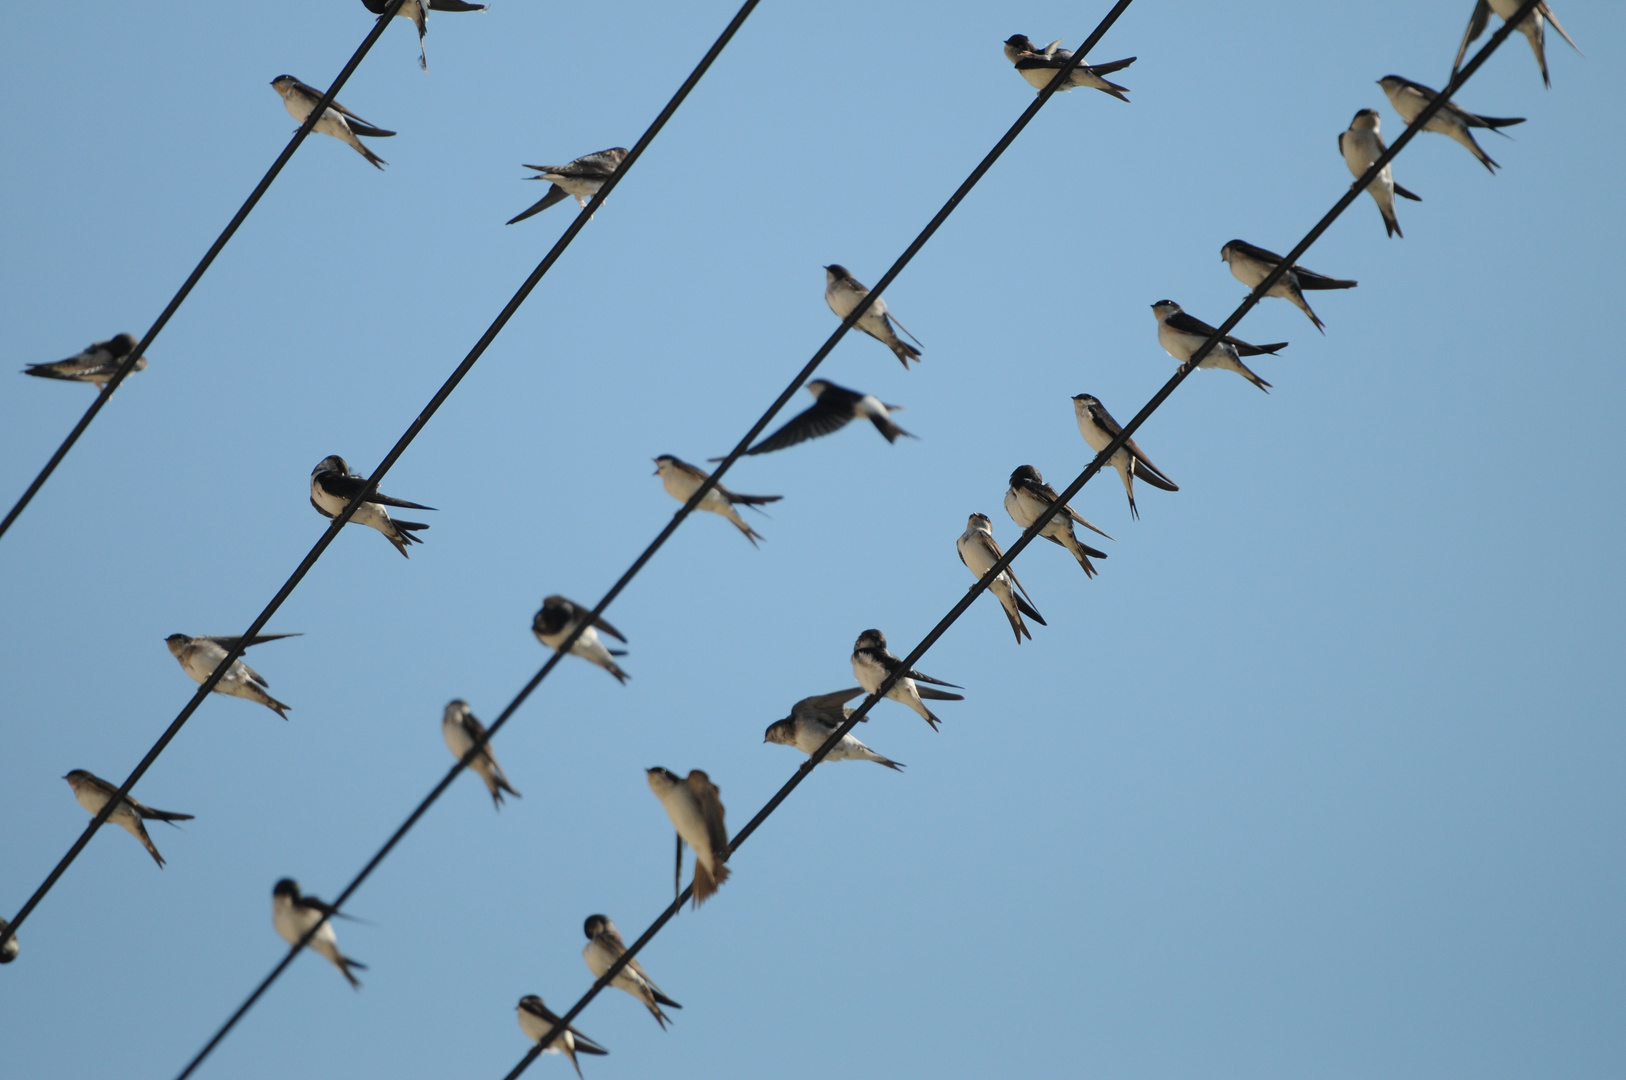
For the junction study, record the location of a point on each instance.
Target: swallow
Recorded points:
(872, 663)
(604, 947)
(414, 10)
(813, 720)
(461, 730)
(581, 178)
(1181, 335)
(1361, 146)
(199, 656)
(336, 121)
(1029, 496)
(833, 407)
(536, 1021)
(843, 293)
(97, 363)
(979, 551)
(1532, 28)
(292, 915)
(1039, 66)
(1410, 99)
(558, 617)
(682, 480)
(697, 813)
(1251, 265)
(8, 951)
(1099, 429)
(93, 792)
(333, 485)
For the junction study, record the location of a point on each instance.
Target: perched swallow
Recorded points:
(558, 617)
(460, 729)
(333, 485)
(336, 121)
(872, 663)
(292, 915)
(1532, 28)
(581, 178)
(1038, 66)
(98, 363)
(835, 405)
(1099, 429)
(843, 293)
(1361, 146)
(93, 792)
(979, 551)
(414, 10)
(536, 1021)
(1029, 496)
(199, 656)
(8, 951)
(682, 480)
(604, 947)
(1181, 335)
(697, 814)
(813, 720)
(1410, 99)
(1251, 265)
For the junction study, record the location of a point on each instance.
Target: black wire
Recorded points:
(197, 272)
(400, 447)
(1033, 530)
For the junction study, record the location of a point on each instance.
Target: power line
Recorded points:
(638, 564)
(198, 271)
(395, 453)
(1032, 531)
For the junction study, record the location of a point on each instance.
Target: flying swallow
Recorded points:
(1181, 335)
(414, 10)
(93, 792)
(292, 915)
(336, 121)
(872, 663)
(199, 656)
(697, 813)
(536, 1021)
(1099, 429)
(813, 720)
(333, 485)
(1532, 28)
(833, 407)
(1038, 66)
(97, 363)
(843, 293)
(8, 951)
(1029, 496)
(581, 178)
(682, 480)
(558, 617)
(604, 947)
(1251, 265)
(979, 551)
(1410, 99)
(460, 729)
(1361, 146)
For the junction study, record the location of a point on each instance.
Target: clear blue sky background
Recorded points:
(1321, 777)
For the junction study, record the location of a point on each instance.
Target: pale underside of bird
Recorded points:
(1182, 335)
(558, 617)
(813, 720)
(873, 664)
(604, 947)
(979, 551)
(199, 656)
(461, 730)
(536, 1020)
(414, 12)
(682, 480)
(1453, 121)
(843, 293)
(1362, 145)
(695, 806)
(1039, 66)
(334, 485)
(293, 915)
(1029, 496)
(1099, 430)
(580, 179)
(1533, 27)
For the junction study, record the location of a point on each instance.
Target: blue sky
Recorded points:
(1320, 776)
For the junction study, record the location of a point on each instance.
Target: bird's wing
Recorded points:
(1476, 26)
(707, 797)
(816, 420)
(555, 194)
